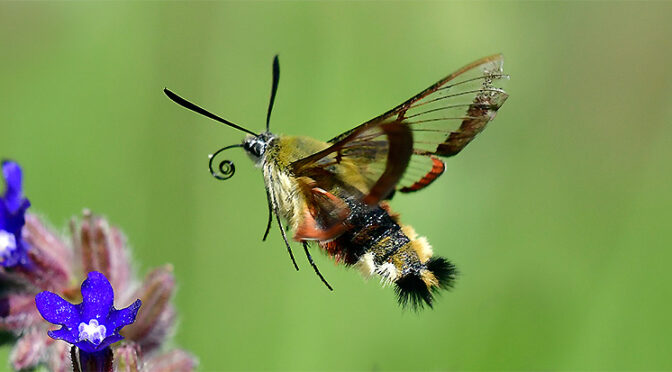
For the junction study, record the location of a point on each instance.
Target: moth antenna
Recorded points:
(317, 271)
(188, 105)
(274, 89)
(270, 216)
(226, 169)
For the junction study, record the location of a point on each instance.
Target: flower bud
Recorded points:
(127, 358)
(156, 318)
(59, 359)
(50, 267)
(29, 349)
(102, 248)
(174, 360)
(18, 312)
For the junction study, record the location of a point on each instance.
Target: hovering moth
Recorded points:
(335, 193)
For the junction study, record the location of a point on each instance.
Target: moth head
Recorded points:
(255, 146)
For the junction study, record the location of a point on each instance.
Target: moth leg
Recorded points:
(284, 235)
(270, 216)
(317, 271)
(274, 206)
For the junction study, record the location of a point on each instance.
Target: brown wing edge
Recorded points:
(404, 106)
(437, 169)
(399, 153)
(482, 111)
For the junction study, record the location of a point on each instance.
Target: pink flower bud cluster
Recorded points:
(60, 265)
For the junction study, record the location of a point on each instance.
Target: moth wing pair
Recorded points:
(399, 149)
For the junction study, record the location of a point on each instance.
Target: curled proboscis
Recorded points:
(224, 169)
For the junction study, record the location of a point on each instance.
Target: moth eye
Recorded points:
(258, 148)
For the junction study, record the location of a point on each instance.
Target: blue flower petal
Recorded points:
(110, 340)
(91, 348)
(4, 215)
(57, 310)
(123, 317)
(18, 257)
(12, 216)
(98, 296)
(11, 171)
(11, 222)
(63, 334)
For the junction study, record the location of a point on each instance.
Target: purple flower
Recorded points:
(92, 325)
(13, 249)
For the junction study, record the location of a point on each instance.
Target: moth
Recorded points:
(335, 193)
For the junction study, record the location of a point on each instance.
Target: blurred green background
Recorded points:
(558, 215)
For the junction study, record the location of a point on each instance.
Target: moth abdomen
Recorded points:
(419, 288)
(419, 276)
(380, 246)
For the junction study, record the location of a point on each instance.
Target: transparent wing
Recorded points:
(370, 159)
(445, 117)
